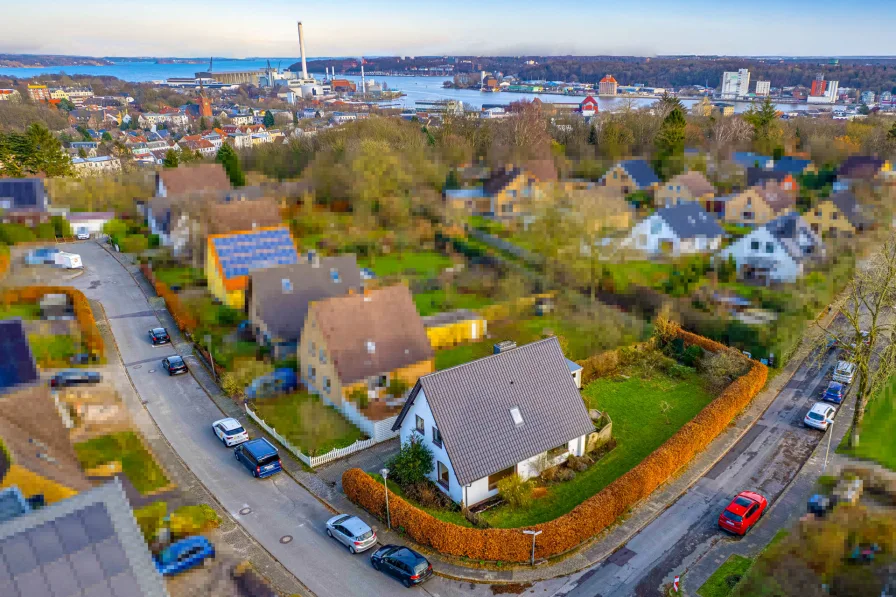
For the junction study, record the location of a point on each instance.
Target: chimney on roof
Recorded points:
(502, 347)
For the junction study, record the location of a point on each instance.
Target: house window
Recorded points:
(313, 349)
(495, 478)
(437, 436)
(327, 385)
(561, 449)
(615, 175)
(443, 475)
(420, 426)
(817, 213)
(378, 382)
(323, 356)
(769, 248)
(754, 245)
(506, 207)
(312, 373)
(748, 215)
(656, 227)
(834, 215)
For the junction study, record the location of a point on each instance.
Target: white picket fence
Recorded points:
(312, 461)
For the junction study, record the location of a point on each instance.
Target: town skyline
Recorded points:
(397, 28)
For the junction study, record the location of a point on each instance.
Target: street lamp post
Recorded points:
(828, 449)
(385, 473)
(534, 535)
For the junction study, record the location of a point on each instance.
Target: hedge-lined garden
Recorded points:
(91, 337)
(591, 516)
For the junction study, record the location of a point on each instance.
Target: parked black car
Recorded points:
(402, 563)
(159, 336)
(174, 365)
(65, 379)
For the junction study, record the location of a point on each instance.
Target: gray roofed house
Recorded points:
(849, 206)
(516, 412)
(676, 230)
(86, 545)
(639, 172)
(278, 297)
(17, 366)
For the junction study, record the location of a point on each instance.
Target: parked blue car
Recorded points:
(259, 456)
(281, 381)
(184, 555)
(834, 393)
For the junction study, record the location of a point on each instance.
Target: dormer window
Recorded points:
(371, 347)
(516, 416)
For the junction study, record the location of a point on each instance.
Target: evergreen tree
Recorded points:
(203, 124)
(216, 124)
(107, 136)
(592, 135)
(670, 144)
(45, 153)
(765, 126)
(228, 158)
(172, 160)
(82, 153)
(268, 120)
(452, 181)
(892, 134)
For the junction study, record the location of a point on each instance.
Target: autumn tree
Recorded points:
(615, 139)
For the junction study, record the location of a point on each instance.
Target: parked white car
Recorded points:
(845, 372)
(352, 532)
(230, 431)
(820, 416)
(68, 260)
(83, 234)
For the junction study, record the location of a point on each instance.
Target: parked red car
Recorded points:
(743, 512)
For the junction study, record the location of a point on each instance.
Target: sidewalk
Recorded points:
(326, 484)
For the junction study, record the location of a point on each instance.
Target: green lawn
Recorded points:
(878, 429)
(54, 351)
(424, 264)
(438, 301)
(642, 273)
(179, 276)
(23, 310)
(126, 447)
(639, 427)
(718, 585)
(307, 422)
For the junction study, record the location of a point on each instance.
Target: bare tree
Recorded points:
(869, 332)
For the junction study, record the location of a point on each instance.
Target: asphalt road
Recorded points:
(765, 459)
(281, 515)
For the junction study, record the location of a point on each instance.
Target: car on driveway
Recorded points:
(230, 431)
(402, 563)
(743, 512)
(65, 379)
(820, 416)
(174, 365)
(159, 336)
(833, 393)
(259, 456)
(184, 555)
(352, 532)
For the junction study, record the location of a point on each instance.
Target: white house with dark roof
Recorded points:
(516, 412)
(684, 229)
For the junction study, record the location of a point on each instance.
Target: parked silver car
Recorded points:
(352, 532)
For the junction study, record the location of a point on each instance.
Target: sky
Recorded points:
(239, 28)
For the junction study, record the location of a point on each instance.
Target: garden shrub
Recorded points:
(192, 520)
(579, 463)
(412, 463)
(588, 518)
(679, 371)
(600, 365)
(691, 355)
(564, 474)
(428, 495)
(721, 368)
(12, 234)
(549, 475)
(133, 243)
(397, 387)
(516, 492)
(243, 372)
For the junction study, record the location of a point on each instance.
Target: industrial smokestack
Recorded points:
(363, 86)
(302, 50)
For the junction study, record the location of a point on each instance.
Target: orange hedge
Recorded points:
(32, 294)
(182, 318)
(588, 518)
(4, 260)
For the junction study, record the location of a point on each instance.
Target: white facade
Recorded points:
(760, 245)
(92, 222)
(763, 87)
(654, 236)
(96, 165)
(478, 490)
(735, 84)
(830, 94)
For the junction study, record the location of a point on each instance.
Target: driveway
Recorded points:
(281, 515)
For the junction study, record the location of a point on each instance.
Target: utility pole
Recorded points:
(534, 535)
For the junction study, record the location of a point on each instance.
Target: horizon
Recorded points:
(398, 27)
(376, 56)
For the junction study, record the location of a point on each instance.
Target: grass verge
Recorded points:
(126, 447)
(723, 580)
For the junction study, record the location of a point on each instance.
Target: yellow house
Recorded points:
(690, 186)
(703, 107)
(37, 455)
(629, 176)
(455, 327)
(757, 205)
(363, 348)
(230, 257)
(507, 193)
(840, 215)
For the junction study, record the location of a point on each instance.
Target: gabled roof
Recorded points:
(231, 215)
(373, 333)
(499, 180)
(88, 544)
(471, 405)
(236, 254)
(792, 165)
(797, 237)
(748, 159)
(281, 295)
(758, 176)
(689, 220)
(23, 194)
(860, 166)
(641, 172)
(199, 177)
(776, 198)
(608, 79)
(695, 182)
(17, 365)
(846, 202)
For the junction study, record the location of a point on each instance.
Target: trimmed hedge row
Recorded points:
(588, 518)
(32, 294)
(182, 318)
(4, 260)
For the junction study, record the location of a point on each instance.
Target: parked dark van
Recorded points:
(259, 456)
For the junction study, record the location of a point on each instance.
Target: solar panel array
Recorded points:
(239, 254)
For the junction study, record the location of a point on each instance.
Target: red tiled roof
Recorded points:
(608, 79)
